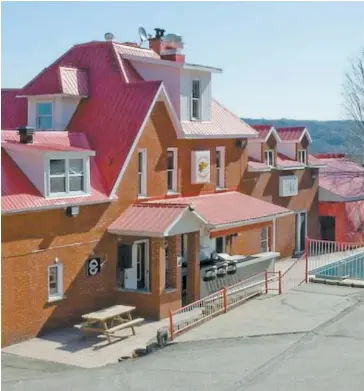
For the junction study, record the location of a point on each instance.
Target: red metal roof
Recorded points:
(228, 208)
(13, 110)
(147, 218)
(74, 81)
(255, 165)
(223, 124)
(291, 133)
(263, 131)
(285, 162)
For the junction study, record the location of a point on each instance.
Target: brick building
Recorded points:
(132, 159)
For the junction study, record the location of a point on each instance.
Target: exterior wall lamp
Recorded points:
(72, 211)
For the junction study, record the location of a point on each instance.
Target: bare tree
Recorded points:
(353, 96)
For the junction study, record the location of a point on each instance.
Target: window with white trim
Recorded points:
(264, 239)
(67, 176)
(142, 173)
(302, 156)
(220, 167)
(172, 170)
(55, 281)
(269, 157)
(196, 100)
(44, 115)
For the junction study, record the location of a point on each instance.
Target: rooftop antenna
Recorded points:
(142, 35)
(109, 36)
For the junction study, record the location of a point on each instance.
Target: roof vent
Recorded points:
(26, 134)
(109, 36)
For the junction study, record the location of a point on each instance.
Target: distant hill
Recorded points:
(327, 136)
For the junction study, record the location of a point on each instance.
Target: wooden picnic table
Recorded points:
(109, 320)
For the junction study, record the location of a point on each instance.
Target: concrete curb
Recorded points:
(346, 282)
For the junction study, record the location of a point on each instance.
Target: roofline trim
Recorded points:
(55, 206)
(219, 136)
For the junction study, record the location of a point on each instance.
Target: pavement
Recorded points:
(310, 338)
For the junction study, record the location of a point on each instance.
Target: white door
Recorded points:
(130, 275)
(137, 277)
(301, 231)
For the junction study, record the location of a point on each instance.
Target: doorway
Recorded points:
(301, 232)
(137, 277)
(327, 226)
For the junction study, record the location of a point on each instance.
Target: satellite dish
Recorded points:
(142, 34)
(109, 36)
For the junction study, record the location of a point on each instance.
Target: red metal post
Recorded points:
(279, 282)
(224, 292)
(266, 281)
(306, 259)
(171, 328)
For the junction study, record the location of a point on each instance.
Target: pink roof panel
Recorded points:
(229, 207)
(286, 163)
(255, 165)
(342, 177)
(74, 81)
(223, 124)
(147, 218)
(129, 50)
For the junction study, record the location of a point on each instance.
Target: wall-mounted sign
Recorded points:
(200, 167)
(288, 186)
(93, 266)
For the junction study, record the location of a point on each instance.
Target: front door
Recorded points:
(301, 231)
(327, 224)
(137, 277)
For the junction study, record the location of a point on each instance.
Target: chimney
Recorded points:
(26, 134)
(171, 48)
(155, 42)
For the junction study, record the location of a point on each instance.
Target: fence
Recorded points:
(220, 301)
(333, 259)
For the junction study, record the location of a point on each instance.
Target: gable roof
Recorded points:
(73, 81)
(293, 134)
(264, 132)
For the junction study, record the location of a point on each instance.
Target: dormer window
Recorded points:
(269, 157)
(67, 176)
(196, 100)
(302, 156)
(44, 115)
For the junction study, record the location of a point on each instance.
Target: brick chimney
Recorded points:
(169, 46)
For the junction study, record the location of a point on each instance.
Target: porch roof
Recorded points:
(154, 220)
(229, 209)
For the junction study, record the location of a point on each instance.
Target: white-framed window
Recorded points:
(55, 281)
(269, 157)
(302, 156)
(220, 167)
(264, 239)
(142, 173)
(67, 176)
(196, 100)
(44, 115)
(172, 170)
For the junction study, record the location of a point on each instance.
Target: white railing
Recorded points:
(220, 301)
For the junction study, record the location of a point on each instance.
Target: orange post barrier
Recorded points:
(171, 328)
(225, 299)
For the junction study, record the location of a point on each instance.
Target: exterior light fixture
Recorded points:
(72, 211)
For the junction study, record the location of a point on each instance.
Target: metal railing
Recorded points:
(334, 259)
(219, 302)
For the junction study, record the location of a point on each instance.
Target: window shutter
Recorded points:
(125, 260)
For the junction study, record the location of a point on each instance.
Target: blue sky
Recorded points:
(279, 59)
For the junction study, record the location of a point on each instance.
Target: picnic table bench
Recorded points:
(109, 320)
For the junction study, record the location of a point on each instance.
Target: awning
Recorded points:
(229, 209)
(154, 220)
